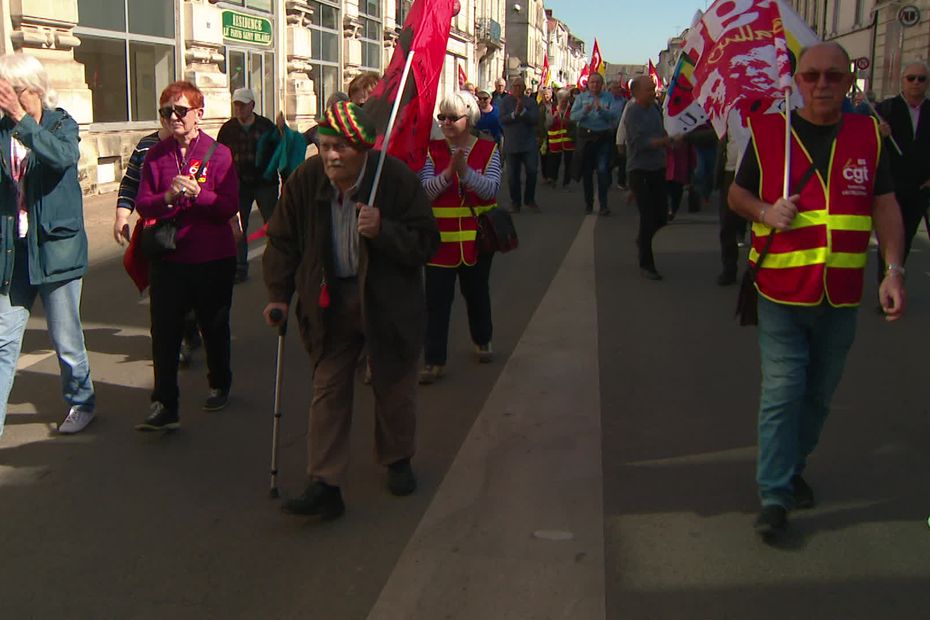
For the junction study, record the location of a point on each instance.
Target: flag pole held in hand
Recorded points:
(390, 128)
(281, 321)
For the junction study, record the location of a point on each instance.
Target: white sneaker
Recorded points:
(77, 420)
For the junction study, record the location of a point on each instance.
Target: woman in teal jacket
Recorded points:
(43, 247)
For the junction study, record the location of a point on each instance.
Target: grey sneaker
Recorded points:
(431, 373)
(484, 352)
(217, 399)
(160, 419)
(77, 420)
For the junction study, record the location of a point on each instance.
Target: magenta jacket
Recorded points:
(204, 233)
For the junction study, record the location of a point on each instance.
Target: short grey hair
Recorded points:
(562, 95)
(461, 104)
(25, 71)
(914, 63)
(336, 97)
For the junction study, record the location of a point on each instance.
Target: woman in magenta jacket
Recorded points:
(199, 273)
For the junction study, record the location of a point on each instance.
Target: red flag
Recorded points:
(462, 77)
(583, 78)
(597, 61)
(654, 75)
(426, 32)
(136, 265)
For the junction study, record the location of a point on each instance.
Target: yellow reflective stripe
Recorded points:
(798, 258)
(850, 260)
(450, 212)
(861, 223)
(806, 219)
(458, 235)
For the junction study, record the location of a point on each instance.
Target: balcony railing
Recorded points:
(488, 31)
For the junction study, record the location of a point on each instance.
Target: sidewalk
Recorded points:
(99, 212)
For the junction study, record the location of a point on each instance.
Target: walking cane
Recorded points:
(278, 317)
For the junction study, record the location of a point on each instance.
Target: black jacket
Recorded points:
(911, 169)
(390, 270)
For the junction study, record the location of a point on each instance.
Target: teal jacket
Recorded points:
(56, 241)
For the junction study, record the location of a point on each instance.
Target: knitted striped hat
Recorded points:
(347, 120)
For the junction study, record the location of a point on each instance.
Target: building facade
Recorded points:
(563, 50)
(109, 60)
(526, 40)
(881, 36)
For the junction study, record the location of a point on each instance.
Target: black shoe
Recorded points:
(650, 274)
(771, 522)
(588, 210)
(401, 480)
(241, 276)
(532, 206)
(160, 419)
(726, 279)
(217, 399)
(604, 212)
(319, 499)
(803, 493)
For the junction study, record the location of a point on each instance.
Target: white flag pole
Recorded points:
(390, 128)
(786, 188)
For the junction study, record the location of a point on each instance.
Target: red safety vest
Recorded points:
(825, 250)
(458, 228)
(558, 133)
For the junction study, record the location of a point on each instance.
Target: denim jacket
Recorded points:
(56, 241)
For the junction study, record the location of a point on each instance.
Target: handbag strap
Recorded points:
(203, 163)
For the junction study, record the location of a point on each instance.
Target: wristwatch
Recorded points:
(898, 269)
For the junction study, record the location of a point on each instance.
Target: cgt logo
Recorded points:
(856, 171)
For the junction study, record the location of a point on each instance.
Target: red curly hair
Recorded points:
(182, 88)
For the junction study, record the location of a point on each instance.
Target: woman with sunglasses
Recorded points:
(43, 246)
(190, 179)
(462, 176)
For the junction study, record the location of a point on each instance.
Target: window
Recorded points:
(860, 11)
(326, 24)
(128, 53)
(370, 16)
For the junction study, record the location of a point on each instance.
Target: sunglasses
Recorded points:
(442, 118)
(916, 78)
(831, 77)
(179, 110)
(483, 98)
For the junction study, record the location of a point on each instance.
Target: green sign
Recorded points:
(246, 28)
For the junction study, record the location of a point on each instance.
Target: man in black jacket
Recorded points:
(906, 118)
(251, 138)
(357, 271)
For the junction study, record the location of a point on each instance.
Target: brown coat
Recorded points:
(390, 270)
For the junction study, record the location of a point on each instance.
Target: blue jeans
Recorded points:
(597, 156)
(62, 302)
(803, 351)
(529, 160)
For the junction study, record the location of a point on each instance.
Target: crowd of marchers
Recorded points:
(370, 284)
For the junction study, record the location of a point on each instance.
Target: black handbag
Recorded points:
(160, 238)
(496, 232)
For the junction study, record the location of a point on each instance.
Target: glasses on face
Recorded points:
(916, 78)
(179, 111)
(443, 118)
(813, 77)
(483, 98)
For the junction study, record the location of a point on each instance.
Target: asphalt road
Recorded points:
(116, 524)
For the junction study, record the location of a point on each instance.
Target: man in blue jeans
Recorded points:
(809, 253)
(597, 114)
(519, 116)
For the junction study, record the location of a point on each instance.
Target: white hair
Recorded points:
(25, 71)
(914, 63)
(461, 104)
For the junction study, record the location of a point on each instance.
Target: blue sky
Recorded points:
(627, 31)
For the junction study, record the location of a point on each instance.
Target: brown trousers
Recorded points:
(395, 388)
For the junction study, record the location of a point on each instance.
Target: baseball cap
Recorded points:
(243, 95)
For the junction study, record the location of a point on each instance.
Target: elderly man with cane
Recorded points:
(357, 270)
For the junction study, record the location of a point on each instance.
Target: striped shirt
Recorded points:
(129, 185)
(484, 185)
(345, 229)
